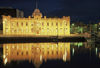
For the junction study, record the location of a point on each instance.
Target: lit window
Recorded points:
(47, 24)
(6, 24)
(17, 23)
(40, 28)
(22, 23)
(37, 32)
(56, 24)
(66, 24)
(22, 30)
(13, 47)
(32, 24)
(22, 53)
(17, 53)
(12, 30)
(26, 24)
(6, 47)
(52, 23)
(15, 30)
(56, 29)
(19, 30)
(42, 24)
(47, 29)
(27, 53)
(32, 30)
(6, 29)
(26, 30)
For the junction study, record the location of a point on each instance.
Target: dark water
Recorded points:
(50, 55)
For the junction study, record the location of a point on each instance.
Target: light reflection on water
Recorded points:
(37, 53)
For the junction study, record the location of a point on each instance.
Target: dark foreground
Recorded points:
(81, 55)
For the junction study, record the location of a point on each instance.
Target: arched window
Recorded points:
(52, 23)
(42, 24)
(22, 24)
(56, 23)
(26, 23)
(47, 23)
(17, 23)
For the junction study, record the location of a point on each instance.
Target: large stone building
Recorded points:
(36, 52)
(36, 25)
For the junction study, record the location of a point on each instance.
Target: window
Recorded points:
(21, 30)
(26, 30)
(26, 24)
(17, 53)
(22, 24)
(12, 30)
(56, 29)
(66, 24)
(48, 52)
(42, 24)
(26, 52)
(6, 29)
(40, 28)
(56, 24)
(47, 24)
(32, 30)
(37, 32)
(52, 23)
(6, 24)
(57, 52)
(22, 53)
(17, 23)
(15, 30)
(32, 24)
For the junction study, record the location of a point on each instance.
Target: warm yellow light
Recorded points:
(4, 56)
(64, 57)
(34, 27)
(5, 61)
(36, 51)
(40, 57)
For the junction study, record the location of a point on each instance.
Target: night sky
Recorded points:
(51, 8)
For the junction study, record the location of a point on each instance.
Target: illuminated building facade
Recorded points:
(36, 52)
(36, 25)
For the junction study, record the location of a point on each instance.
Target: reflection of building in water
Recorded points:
(79, 47)
(36, 52)
(97, 51)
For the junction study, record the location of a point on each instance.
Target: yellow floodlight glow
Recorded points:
(5, 61)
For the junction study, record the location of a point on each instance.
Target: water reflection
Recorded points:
(39, 53)
(97, 51)
(36, 52)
